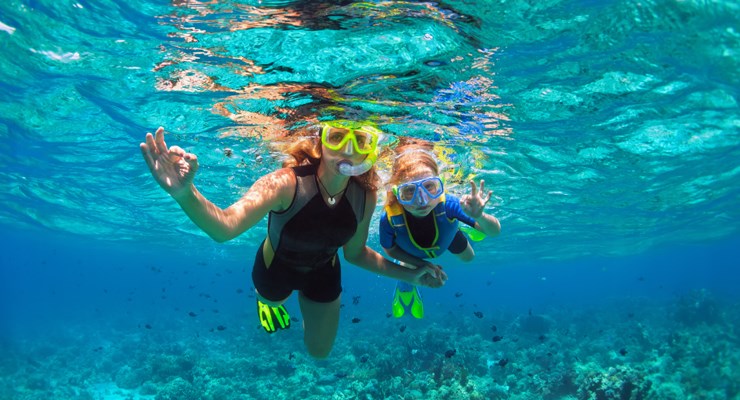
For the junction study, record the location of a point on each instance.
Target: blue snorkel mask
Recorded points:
(419, 192)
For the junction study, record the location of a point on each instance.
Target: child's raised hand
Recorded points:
(474, 203)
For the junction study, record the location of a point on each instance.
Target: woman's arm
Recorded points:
(174, 170)
(357, 252)
(269, 193)
(401, 255)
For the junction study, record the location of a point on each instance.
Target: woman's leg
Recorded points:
(320, 321)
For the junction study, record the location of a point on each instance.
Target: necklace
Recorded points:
(331, 200)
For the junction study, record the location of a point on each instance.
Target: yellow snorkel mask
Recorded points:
(363, 136)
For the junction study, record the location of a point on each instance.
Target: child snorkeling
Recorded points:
(420, 221)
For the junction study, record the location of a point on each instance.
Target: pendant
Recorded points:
(331, 200)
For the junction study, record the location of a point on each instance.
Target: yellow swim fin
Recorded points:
(273, 318)
(407, 298)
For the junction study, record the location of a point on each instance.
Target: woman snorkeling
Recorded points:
(322, 199)
(420, 221)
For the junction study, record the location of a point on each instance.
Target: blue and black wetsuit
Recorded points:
(305, 239)
(428, 236)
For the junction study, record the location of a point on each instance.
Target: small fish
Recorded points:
(623, 351)
(402, 328)
(458, 294)
(239, 291)
(542, 338)
(291, 356)
(97, 349)
(221, 327)
(497, 338)
(294, 319)
(502, 362)
(364, 358)
(478, 314)
(147, 326)
(450, 353)
(355, 300)
(434, 63)
(355, 320)
(192, 314)
(387, 315)
(493, 328)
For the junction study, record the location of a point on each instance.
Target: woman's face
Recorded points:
(422, 204)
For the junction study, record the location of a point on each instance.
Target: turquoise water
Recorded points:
(608, 131)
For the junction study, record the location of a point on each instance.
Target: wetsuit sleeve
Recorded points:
(387, 236)
(453, 210)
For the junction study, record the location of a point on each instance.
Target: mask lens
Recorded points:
(335, 136)
(364, 141)
(433, 187)
(406, 192)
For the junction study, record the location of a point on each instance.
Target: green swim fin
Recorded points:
(269, 316)
(407, 298)
(474, 234)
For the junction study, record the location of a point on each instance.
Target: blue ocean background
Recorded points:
(609, 132)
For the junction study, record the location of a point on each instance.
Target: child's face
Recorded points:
(423, 204)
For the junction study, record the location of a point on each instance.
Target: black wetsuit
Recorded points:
(306, 238)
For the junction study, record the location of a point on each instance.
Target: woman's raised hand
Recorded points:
(173, 168)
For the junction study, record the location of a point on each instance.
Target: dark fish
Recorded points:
(355, 300)
(221, 327)
(402, 328)
(387, 315)
(294, 319)
(623, 351)
(356, 320)
(478, 314)
(450, 353)
(497, 338)
(493, 328)
(502, 362)
(291, 356)
(542, 338)
(364, 358)
(97, 349)
(239, 291)
(147, 326)
(192, 314)
(530, 312)
(458, 294)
